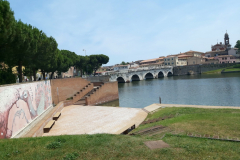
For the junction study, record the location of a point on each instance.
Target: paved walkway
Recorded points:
(78, 119)
(198, 106)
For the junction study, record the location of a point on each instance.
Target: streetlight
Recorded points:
(85, 51)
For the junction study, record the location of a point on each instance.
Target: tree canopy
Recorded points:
(22, 44)
(96, 61)
(237, 45)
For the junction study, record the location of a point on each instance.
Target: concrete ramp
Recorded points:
(152, 107)
(78, 119)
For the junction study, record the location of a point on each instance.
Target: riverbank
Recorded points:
(184, 120)
(231, 69)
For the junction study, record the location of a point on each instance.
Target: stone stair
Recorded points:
(81, 94)
(82, 101)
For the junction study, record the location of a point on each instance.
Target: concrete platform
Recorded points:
(78, 119)
(153, 107)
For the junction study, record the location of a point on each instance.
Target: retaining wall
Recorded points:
(105, 93)
(35, 129)
(98, 78)
(198, 69)
(66, 88)
(20, 104)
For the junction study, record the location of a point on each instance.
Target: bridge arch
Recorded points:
(135, 77)
(160, 74)
(169, 74)
(149, 75)
(121, 80)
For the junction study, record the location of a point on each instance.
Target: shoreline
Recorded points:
(199, 106)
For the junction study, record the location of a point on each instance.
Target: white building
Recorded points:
(121, 67)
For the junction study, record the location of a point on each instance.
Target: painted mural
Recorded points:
(20, 104)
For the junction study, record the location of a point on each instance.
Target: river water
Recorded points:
(211, 89)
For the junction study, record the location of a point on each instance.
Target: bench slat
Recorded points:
(50, 124)
(56, 116)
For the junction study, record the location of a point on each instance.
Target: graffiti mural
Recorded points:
(20, 104)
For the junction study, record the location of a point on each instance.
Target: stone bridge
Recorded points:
(141, 74)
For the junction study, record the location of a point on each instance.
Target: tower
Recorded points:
(226, 39)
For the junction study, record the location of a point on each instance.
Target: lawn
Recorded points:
(217, 71)
(104, 146)
(228, 69)
(232, 70)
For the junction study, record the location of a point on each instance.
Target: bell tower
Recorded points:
(226, 39)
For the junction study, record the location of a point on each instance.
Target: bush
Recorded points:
(236, 66)
(6, 76)
(61, 140)
(53, 145)
(71, 156)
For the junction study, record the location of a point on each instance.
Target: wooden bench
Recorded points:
(56, 116)
(49, 125)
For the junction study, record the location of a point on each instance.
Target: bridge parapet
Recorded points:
(140, 74)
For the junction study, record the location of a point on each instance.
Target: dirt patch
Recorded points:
(156, 144)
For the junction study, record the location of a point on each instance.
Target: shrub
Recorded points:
(236, 66)
(6, 76)
(53, 145)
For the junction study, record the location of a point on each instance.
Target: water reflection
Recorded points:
(212, 89)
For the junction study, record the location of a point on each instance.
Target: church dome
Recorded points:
(226, 35)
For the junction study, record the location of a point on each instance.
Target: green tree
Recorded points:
(19, 51)
(96, 61)
(36, 53)
(237, 45)
(123, 63)
(82, 63)
(7, 22)
(66, 60)
(6, 76)
(47, 54)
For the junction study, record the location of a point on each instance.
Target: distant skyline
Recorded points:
(133, 30)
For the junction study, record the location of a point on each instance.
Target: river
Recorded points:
(205, 89)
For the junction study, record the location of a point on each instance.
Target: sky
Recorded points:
(131, 30)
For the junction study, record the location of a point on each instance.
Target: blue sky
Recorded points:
(130, 30)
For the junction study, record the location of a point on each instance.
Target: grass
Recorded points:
(228, 69)
(105, 146)
(232, 69)
(217, 71)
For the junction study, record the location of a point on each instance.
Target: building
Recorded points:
(195, 60)
(121, 67)
(72, 71)
(171, 61)
(133, 65)
(234, 52)
(193, 53)
(210, 60)
(228, 59)
(222, 49)
(150, 61)
(221, 46)
(152, 65)
(216, 53)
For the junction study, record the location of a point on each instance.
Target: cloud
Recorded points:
(132, 30)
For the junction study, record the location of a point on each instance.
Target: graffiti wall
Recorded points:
(20, 104)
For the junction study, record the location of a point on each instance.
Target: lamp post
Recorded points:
(85, 55)
(85, 51)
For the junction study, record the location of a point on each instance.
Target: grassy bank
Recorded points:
(103, 146)
(217, 71)
(234, 68)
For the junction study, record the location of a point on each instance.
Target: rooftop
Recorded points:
(150, 60)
